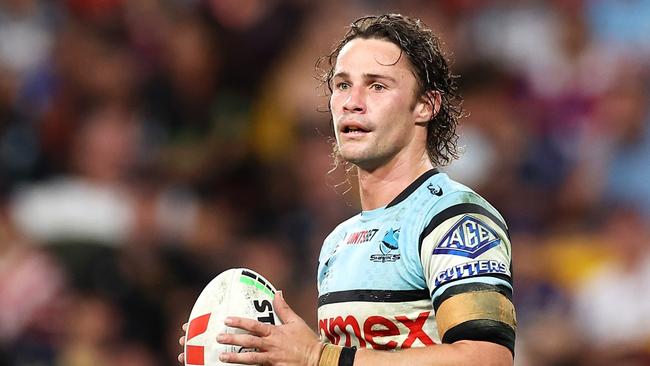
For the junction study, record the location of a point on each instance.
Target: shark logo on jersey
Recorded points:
(389, 243)
(469, 237)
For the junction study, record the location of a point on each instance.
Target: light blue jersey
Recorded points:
(381, 272)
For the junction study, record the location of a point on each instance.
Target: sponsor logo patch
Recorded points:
(470, 269)
(383, 333)
(388, 244)
(361, 237)
(469, 237)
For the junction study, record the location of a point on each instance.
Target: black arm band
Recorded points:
(482, 330)
(347, 356)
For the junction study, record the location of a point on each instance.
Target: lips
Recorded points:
(353, 127)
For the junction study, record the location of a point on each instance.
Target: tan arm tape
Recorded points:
(330, 355)
(489, 305)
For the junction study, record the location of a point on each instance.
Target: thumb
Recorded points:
(283, 310)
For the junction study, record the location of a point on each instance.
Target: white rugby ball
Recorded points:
(235, 292)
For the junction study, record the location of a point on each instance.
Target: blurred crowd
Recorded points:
(146, 146)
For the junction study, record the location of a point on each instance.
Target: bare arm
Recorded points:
(458, 353)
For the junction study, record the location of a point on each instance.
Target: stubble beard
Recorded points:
(367, 159)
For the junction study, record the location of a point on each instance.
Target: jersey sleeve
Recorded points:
(466, 257)
(465, 243)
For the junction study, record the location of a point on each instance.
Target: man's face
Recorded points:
(373, 103)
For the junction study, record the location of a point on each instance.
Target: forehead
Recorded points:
(372, 56)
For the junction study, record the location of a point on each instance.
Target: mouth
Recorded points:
(353, 129)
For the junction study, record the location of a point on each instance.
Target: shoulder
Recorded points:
(440, 198)
(456, 200)
(339, 232)
(462, 224)
(454, 193)
(343, 226)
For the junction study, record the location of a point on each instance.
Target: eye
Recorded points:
(377, 87)
(342, 85)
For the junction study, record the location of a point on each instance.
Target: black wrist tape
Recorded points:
(347, 356)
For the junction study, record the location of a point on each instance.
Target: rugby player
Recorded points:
(425, 268)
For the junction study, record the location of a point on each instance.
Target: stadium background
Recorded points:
(147, 145)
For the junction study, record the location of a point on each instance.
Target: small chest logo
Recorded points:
(469, 237)
(388, 245)
(435, 190)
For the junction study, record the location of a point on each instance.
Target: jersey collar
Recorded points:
(412, 187)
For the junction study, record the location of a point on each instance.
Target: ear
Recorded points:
(427, 106)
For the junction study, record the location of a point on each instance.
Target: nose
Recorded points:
(354, 102)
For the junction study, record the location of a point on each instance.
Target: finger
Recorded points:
(185, 327)
(181, 340)
(250, 325)
(244, 340)
(283, 310)
(181, 358)
(247, 358)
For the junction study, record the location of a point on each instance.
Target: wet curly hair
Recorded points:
(430, 66)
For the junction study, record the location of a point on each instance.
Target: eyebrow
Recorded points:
(367, 76)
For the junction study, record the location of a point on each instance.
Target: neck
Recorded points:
(378, 187)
